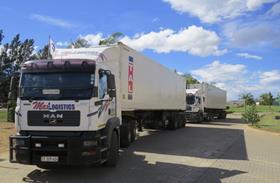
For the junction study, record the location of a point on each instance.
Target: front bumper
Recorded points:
(191, 116)
(68, 150)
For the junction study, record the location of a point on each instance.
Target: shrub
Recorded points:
(251, 115)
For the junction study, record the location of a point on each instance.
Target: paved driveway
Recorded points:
(220, 151)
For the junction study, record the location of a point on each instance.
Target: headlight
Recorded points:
(88, 143)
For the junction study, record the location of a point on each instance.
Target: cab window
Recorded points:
(102, 91)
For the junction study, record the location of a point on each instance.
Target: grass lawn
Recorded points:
(6, 129)
(260, 108)
(268, 122)
(3, 115)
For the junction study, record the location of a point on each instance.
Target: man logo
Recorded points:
(53, 118)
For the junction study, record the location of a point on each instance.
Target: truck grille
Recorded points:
(58, 118)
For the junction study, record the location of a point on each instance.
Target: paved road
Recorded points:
(221, 151)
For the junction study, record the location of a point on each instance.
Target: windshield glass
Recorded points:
(190, 99)
(56, 86)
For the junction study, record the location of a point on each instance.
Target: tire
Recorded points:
(113, 152)
(183, 125)
(125, 135)
(173, 125)
(181, 120)
(207, 118)
(224, 116)
(133, 130)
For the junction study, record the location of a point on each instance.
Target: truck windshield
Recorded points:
(56, 86)
(190, 99)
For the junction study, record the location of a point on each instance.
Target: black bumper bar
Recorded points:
(66, 150)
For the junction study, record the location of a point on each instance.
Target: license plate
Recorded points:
(49, 158)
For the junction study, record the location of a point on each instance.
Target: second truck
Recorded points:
(79, 107)
(205, 102)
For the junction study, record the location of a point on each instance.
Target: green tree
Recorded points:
(79, 43)
(190, 79)
(248, 99)
(251, 115)
(266, 99)
(112, 39)
(42, 53)
(11, 56)
(1, 36)
(277, 99)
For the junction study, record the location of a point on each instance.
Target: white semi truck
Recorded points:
(205, 102)
(79, 107)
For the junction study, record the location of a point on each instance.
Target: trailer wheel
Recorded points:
(173, 123)
(183, 121)
(180, 118)
(113, 152)
(224, 115)
(125, 135)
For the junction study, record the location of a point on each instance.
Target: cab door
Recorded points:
(105, 104)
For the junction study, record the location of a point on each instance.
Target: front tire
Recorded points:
(113, 152)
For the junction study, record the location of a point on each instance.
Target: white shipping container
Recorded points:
(215, 98)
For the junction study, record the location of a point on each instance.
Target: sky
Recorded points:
(234, 44)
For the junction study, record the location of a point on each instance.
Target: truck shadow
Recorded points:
(197, 141)
(221, 122)
(163, 156)
(133, 171)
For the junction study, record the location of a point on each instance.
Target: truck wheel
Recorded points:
(133, 130)
(207, 118)
(224, 115)
(125, 135)
(181, 120)
(113, 152)
(201, 118)
(173, 124)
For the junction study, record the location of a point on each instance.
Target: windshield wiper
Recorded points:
(30, 99)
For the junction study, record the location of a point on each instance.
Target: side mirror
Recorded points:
(112, 93)
(111, 85)
(13, 86)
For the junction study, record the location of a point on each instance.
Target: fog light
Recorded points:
(38, 145)
(88, 143)
(88, 153)
(61, 146)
